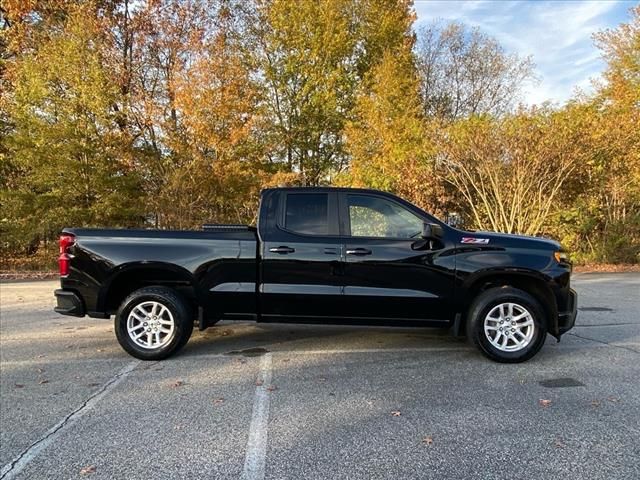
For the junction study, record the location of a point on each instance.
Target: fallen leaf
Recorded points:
(613, 399)
(322, 379)
(271, 388)
(595, 403)
(559, 444)
(218, 401)
(43, 381)
(427, 440)
(395, 413)
(89, 469)
(285, 359)
(259, 382)
(544, 403)
(177, 384)
(18, 385)
(40, 370)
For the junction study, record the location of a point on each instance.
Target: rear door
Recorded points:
(389, 272)
(302, 258)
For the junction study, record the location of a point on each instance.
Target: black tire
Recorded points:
(180, 311)
(485, 303)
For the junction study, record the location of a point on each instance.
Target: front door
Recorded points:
(390, 271)
(301, 259)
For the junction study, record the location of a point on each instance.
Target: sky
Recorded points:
(556, 33)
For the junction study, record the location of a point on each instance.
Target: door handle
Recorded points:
(283, 250)
(359, 251)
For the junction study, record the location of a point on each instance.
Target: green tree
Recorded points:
(73, 166)
(312, 55)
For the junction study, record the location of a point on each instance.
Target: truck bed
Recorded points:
(108, 261)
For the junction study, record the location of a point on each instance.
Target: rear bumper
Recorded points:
(567, 319)
(69, 303)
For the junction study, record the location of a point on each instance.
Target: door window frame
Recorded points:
(345, 217)
(332, 215)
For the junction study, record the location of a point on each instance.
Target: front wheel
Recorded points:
(507, 325)
(153, 323)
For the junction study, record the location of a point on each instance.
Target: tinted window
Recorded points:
(376, 217)
(307, 213)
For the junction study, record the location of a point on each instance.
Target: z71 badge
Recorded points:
(477, 241)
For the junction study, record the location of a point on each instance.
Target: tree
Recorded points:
(511, 171)
(465, 72)
(221, 178)
(312, 55)
(387, 139)
(603, 218)
(72, 166)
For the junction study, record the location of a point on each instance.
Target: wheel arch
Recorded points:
(132, 276)
(532, 282)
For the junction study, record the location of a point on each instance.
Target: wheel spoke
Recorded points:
(137, 316)
(527, 323)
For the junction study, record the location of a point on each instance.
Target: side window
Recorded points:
(371, 216)
(307, 213)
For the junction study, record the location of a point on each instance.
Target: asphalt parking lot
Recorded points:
(308, 402)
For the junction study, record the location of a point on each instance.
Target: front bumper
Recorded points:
(566, 320)
(69, 303)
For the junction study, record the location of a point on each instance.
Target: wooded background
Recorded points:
(170, 114)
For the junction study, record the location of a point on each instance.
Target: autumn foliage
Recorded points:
(170, 114)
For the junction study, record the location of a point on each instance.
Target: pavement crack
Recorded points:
(16, 465)
(604, 343)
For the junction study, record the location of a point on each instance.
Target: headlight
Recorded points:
(561, 257)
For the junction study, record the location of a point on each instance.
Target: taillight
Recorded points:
(66, 241)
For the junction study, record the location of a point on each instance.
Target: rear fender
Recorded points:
(138, 274)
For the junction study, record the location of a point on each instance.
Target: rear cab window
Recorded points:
(307, 213)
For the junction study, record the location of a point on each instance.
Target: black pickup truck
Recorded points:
(320, 255)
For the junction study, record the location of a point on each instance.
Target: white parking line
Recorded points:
(254, 460)
(15, 466)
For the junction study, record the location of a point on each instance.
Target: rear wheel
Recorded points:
(153, 323)
(507, 324)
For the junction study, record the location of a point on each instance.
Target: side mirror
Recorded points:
(432, 230)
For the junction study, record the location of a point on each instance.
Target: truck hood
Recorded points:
(510, 240)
